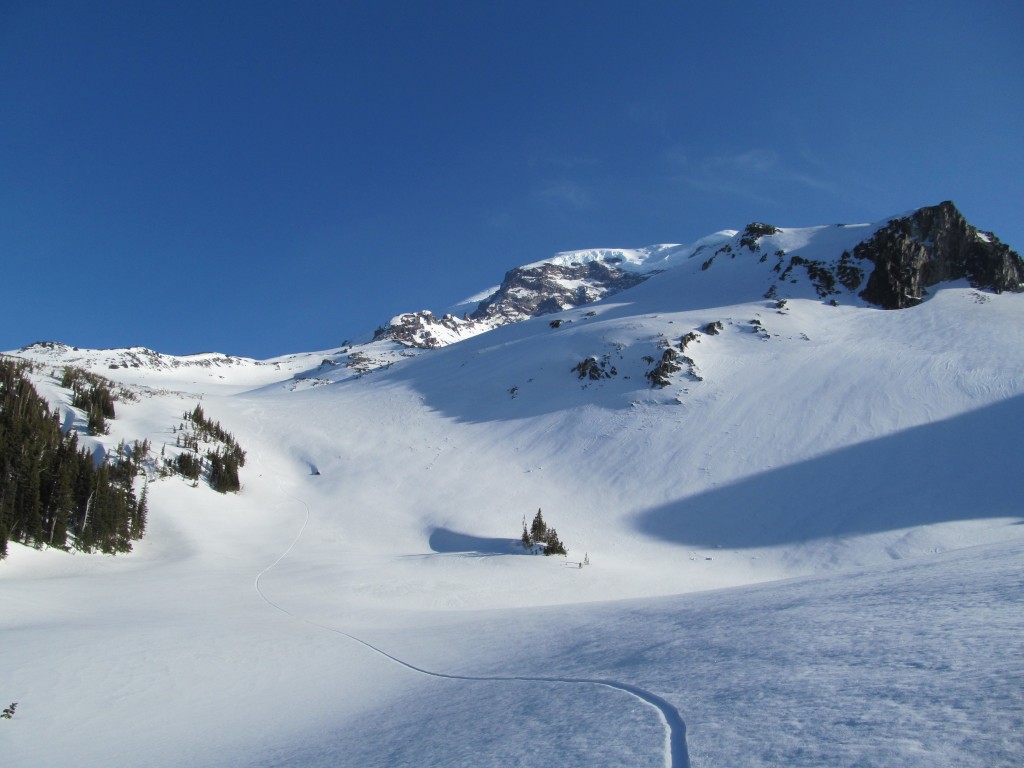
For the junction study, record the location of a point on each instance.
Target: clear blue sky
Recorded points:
(267, 177)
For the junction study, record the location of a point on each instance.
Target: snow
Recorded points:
(470, 303)
(650, 259)
(811, 557)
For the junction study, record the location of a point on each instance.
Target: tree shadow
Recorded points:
(964, 468)
(445, 540)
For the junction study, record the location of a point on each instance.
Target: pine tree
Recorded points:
(527, 542)
(553, 545)
(141, 511)
(538, 529)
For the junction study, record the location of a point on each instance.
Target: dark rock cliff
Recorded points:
(933, 245)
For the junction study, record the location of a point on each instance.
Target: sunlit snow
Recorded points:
(811, 555)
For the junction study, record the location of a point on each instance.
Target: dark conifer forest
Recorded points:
(52, 492)
(222, 461)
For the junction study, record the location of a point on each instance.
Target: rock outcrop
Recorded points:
(425, 330)
(933, 245)
(541, 289)
(530, 291)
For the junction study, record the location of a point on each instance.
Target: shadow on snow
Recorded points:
(444, 540)
(964, 468)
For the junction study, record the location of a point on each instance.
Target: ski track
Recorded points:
(676, 753)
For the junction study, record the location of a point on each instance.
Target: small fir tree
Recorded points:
(525, 538)
(538, 529)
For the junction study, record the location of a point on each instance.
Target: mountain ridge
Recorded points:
(907, 253)
(890, 264)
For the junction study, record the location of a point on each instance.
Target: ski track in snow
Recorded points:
(676, 752)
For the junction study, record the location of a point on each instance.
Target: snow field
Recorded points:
(871, 455)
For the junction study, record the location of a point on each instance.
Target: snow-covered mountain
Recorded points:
(895, 262)
(788, 456)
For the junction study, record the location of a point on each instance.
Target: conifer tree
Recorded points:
(525, 539)
(538, 529)
(553, 545)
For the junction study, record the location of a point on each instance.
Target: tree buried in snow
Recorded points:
(540, 535)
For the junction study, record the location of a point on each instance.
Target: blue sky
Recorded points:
(262, 177)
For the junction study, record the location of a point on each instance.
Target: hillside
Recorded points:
(798, 503)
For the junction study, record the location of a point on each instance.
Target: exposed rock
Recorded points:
(754, 232)
(526, 292)
(422, 329)
(659, 375)
(933, 245)
(541, 289)
(595, 369)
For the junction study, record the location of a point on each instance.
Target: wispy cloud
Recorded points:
(757, 174)
(565, 194)
(499, 220)
(751, 162)
(723, 186)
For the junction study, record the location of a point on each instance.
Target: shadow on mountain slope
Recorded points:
(445, 540)
(963, 468)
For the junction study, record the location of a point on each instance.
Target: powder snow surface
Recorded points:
(812, 552)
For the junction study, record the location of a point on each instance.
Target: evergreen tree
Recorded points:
(553, 545)
(138, 518)
(223, 471)
(540, 533)
(527, 542)
(538, 529)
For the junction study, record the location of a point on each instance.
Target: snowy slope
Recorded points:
(806, 546)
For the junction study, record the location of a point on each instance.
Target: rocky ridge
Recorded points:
(930, 246)
(130, 357)
(525, 292)
(890, 265)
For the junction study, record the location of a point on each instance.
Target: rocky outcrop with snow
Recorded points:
(425, 330)
(930, 246)
(56, 353)
(529, 291)
(540, 289)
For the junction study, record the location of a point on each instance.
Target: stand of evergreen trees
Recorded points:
(93, 394)
(221, 463)
(539, 534)
(51, 492)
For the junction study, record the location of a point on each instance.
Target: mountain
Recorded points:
(788, 456)
(890, 264)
